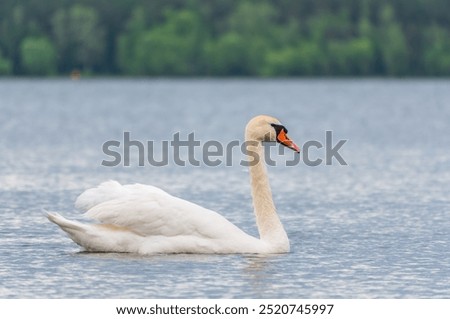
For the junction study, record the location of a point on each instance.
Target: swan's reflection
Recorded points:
(174, 258)
(260, 271)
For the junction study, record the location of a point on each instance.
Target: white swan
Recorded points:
(146, 220)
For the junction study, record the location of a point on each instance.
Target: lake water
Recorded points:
(378, 227)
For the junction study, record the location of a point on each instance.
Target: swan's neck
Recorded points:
(269, 225)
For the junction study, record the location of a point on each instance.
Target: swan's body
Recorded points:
(146, 220)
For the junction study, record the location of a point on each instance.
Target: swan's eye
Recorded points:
(278, 128)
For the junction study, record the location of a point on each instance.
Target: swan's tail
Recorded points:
(95, 237)
(76, 230)
(65, 224)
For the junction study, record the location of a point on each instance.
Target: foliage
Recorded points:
(226, 37)
(38, 56)
(305, 59)
(242, 49)
(128, 40)
(392, 43)
(5, 65)
(79, 37)
(352, 57)
(437, 52)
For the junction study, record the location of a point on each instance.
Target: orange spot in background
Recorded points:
(75, 74)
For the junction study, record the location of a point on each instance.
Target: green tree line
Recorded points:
(225, 37)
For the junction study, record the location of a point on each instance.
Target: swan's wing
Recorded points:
(149, 211)
(111, 190)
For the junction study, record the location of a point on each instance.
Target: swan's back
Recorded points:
(111, 190)
(149, 211)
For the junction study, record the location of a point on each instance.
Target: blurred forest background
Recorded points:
(225, 37)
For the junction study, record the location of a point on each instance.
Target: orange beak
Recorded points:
(286, 141)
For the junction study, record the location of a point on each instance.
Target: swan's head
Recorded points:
(264, 128)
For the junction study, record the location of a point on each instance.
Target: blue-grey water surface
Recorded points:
(378, 227)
